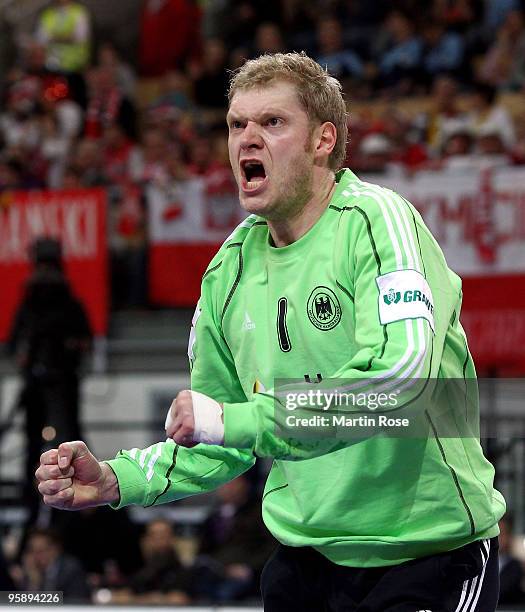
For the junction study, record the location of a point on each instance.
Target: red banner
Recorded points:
(187, 223)
(78, 220)
(478, 218)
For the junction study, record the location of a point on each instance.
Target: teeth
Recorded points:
(255, 183)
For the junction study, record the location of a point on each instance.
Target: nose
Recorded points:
(251, 136)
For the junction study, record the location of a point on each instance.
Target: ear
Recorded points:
(326, 139)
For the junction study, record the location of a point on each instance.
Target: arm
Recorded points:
(398, 338)
(166, 471)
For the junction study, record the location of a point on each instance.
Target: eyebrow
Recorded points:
(271, 112)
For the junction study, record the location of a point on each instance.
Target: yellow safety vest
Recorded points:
(67, 57)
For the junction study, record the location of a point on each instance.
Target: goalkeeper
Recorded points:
(328, 277)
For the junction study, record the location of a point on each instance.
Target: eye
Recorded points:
(274, 121)
(235, 124)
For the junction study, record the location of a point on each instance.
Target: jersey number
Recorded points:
(282, 330)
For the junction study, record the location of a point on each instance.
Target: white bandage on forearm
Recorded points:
(207, 414)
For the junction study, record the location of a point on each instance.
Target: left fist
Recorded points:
(193, 418)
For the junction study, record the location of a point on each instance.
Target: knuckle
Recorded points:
(53, 486)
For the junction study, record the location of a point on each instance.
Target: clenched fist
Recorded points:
(71, 478)
(194, 417)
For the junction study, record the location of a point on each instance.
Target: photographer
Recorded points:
(49, 337)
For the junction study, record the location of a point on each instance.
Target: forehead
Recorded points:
(279, 95)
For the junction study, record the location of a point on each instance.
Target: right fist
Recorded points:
(71, 478)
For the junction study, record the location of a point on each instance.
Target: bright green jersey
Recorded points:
(364, 294)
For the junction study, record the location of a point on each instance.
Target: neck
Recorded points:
(287, 231)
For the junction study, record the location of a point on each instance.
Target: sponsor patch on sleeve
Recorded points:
(405, 294)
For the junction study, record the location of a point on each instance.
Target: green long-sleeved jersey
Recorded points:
(330, 304)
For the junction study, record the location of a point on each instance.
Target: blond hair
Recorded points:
(319, 93)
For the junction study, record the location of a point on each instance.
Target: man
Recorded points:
(510, 568)
(49, 337)
(309, 287)
(47, 568)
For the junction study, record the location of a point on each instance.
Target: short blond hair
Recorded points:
(319, 93)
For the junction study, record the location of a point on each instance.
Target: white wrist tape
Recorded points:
(207, 413)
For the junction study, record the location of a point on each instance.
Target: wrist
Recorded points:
(109, 492)
(207, 417)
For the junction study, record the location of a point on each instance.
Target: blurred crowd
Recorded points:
(219, 560)
(76, 114)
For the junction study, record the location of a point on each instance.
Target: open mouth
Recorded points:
(253, 173)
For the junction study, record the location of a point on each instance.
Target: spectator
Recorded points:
(107, 104)
(7, 51)
(72, 178)
(35, 65)
(19, 122)
(55, 100)
(407, 152)
(399, 64)
(14, 175)
(245, 16)
(80, 534)
(210, 77)
(200, 156)
(268, 39)
(123, 74)
(490, 144)
(442, 52)
(518, 151)
(510, 569)
(118, 151)
(487, 151)
(55, 90)
(128, 245)
(6, 580)
(169, 35)
(89, 163)
(54, 148)
(340, 62)
(64, 29)
(234, 546)
(46, 568)
(445, 116)
(485, 112)
(162, 577)
(503, 66)
(148, 165)
(496, 11)
(457, 15)
(173, 99)
(209, 160)
(458, 149)
(375, 154)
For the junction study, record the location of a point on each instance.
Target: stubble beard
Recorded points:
(294, 191)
